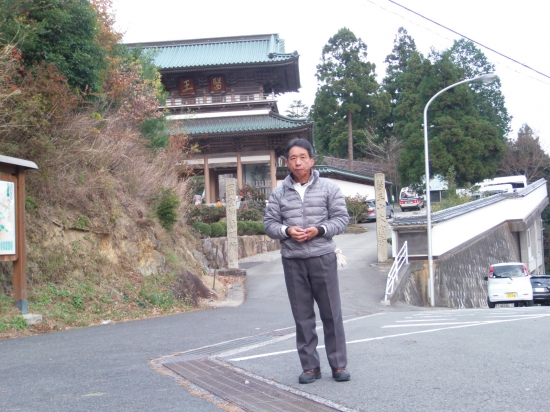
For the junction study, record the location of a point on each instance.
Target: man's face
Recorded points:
(300, 164)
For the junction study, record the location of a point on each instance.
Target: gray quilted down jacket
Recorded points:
(323, 205)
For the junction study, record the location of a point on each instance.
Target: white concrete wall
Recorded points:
(350, 188)
(452, 233)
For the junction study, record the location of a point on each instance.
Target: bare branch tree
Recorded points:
(384, 152)
(525, 156)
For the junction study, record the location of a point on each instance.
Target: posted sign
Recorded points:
(7, 218)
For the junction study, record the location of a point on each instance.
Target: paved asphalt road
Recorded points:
(402, 358)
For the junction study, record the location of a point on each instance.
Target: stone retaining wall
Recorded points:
(248, 246)
(458, 277)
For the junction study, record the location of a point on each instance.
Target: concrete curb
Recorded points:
(32, 319)
(235, 297)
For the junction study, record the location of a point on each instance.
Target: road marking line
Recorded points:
(516, 317)
(431, 324)
(440, 329)
(264, 355)
(363, 317)
(421, 320)
(279, 339)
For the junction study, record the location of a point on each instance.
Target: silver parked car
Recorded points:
(411, 203)
(371, 210)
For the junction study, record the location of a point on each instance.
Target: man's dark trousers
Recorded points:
(310, 279)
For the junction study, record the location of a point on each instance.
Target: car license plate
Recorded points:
(539, 290)
(511, 295)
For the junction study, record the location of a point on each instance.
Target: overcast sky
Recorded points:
(518, 29)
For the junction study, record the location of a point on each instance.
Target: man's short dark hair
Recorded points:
(304, 144)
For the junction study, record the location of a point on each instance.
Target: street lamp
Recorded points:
(485, 78)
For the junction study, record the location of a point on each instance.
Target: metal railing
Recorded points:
(401, 259)
(236, 98)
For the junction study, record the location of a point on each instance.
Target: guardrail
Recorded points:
(401, 259)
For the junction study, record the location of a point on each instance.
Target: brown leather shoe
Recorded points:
(309, 375)
(340, 374)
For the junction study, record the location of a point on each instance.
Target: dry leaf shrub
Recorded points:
(90, 164)
(190, 288)
(98, 175)
(101, 166)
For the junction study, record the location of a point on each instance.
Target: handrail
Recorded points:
(401, 259)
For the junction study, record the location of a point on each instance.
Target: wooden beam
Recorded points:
(215, 185)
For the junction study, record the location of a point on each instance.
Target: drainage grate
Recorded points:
(248, 393)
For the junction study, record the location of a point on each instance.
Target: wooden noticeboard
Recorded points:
(12, 223)
(8, 214)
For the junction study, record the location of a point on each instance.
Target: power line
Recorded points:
(500, 63)
(466, 37)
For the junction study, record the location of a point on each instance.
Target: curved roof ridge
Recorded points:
(270, 122)
(211, 40)
(292, 119)
(264, 50)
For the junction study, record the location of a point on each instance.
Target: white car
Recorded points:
(509, 283)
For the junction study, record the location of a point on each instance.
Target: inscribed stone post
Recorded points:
(231, 208)
(381, 224)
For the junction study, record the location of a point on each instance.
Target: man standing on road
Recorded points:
(304, 213)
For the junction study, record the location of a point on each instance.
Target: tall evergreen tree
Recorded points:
(460, 133)
(347, 95)
(297, 110)
(488, 99)
(402, 74)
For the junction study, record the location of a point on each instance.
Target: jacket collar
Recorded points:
(289, 181)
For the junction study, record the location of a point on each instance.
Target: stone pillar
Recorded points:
(231, 214)
(207, 180)
(239, 172)
(381, 223)
(272, 169)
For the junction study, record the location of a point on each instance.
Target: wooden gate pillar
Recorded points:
(272, 170)
(239, 172)
(208, 199)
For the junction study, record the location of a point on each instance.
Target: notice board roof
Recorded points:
(18, 162)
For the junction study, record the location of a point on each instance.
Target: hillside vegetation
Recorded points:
(106, 212)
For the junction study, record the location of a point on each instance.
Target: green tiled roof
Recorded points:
(333, 172)
(271, 122)
(327, 170)
(225, 51)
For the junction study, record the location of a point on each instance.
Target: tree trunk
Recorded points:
(350, 142)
